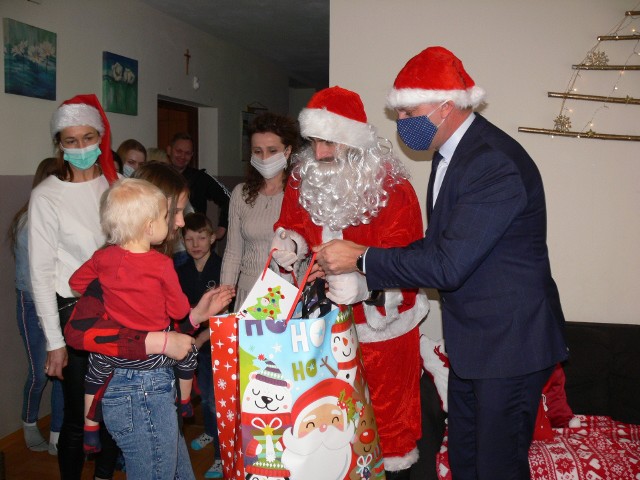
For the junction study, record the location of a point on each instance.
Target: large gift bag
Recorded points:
(291, 394)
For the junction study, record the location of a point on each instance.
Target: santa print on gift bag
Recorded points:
(292, 398)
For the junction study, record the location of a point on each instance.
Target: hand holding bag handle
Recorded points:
(314, 297)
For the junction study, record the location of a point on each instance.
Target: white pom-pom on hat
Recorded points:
(74, 115)
(337, 115)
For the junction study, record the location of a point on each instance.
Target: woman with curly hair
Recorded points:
(255, 204)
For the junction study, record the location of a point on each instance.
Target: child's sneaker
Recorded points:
(215, 471)
(201, 442)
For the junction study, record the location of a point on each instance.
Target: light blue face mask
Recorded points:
(82, 158)
(127, 170)
(418, 132)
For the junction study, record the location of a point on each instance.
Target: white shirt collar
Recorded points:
(448, 147)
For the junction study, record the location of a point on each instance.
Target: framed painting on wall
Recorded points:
(29, 60)
(119, 84)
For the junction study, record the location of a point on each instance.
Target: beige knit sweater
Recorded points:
(248, 240)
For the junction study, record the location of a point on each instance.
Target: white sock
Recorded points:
(32, 436)
(53, 437)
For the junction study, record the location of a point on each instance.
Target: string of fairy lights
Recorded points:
(628, 30)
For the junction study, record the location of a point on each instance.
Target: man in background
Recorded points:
(203, 187)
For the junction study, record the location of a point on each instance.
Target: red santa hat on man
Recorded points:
(434, 75)
(85, 110)
(337, 115)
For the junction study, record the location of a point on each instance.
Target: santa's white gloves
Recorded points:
(348, 288)
(290, 248)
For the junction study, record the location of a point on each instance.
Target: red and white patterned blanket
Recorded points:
(601, 449)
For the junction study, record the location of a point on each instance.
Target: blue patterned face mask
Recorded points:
(417, 133)
(82, 158)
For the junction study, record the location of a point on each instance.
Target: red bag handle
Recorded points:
(301, 287)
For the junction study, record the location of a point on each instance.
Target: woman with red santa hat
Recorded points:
(64, 231)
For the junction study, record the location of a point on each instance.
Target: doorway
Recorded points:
(174, 118)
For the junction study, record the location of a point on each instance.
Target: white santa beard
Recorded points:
(318, 455)
(337, 194)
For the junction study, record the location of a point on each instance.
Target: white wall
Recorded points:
(518, 51)
(230, 78)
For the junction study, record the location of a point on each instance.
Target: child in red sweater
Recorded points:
(140, 287)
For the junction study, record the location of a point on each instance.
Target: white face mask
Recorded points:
(269, 167)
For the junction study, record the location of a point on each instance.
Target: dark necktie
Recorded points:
(434, 168)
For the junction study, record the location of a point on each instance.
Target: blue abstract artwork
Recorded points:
(29, 60)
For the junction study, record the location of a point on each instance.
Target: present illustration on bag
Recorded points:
(266, 413)
(306, 409)
(271, 298)
(291, 382)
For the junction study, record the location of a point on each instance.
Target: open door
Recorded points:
(174, 118)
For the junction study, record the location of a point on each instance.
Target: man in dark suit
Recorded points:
(485, 251)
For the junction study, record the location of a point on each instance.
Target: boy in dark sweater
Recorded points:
(199, 273)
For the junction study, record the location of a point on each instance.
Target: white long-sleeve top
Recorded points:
(64, 231)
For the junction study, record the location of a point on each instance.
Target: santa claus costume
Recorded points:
(381, 211)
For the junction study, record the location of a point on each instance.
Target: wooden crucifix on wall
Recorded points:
(187, 57)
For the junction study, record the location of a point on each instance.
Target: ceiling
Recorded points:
(292, 33)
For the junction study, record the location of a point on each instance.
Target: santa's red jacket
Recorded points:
(397, 225)
(389, 335)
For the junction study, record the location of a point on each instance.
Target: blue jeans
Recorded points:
(36, 347)
(205, 382)
(139, 411)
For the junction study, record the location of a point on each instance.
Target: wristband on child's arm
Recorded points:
(194, 325)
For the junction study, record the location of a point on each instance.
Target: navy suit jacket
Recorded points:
(485, 251)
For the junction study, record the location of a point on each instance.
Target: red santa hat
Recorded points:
(434, 75)
(337, 115)
(327, 391)
(86, 110)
